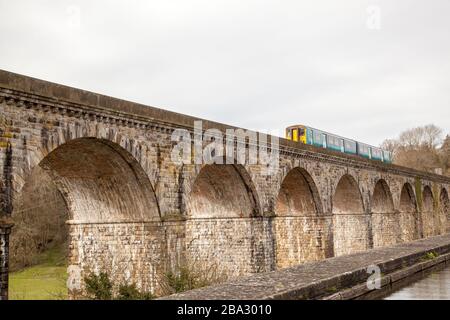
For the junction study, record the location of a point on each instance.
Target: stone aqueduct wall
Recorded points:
(135, 213)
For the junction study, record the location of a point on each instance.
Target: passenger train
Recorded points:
(319, 138)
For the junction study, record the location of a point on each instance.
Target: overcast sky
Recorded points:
(362, 69)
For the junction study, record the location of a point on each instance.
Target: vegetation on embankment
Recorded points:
(423, 148)
(44, 281)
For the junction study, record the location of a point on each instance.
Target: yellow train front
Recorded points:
(319, 138)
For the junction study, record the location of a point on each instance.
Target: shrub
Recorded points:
(431, 255)
(183, 280)
(100, 287)
(130, 292)
(190, 277)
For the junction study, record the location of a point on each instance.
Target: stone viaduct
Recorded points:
(131, 211)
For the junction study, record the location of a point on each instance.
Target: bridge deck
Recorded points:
(318, 279)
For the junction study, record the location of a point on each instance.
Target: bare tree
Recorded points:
(419, 148)
(390, 145)
(444, 155)
(432, 135)
(411, 138)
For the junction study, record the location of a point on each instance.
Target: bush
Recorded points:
(431, 255)
(190, 277)
(130, 292)
(100, 287)
(183, 280)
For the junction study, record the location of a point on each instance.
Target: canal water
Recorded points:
(434, 286)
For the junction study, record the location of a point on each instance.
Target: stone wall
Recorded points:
(409, 218)
(300, 239)
(231, 247)
(428, 212)
(445, 210)
(129, 252)
(385, 221)
(350, 222)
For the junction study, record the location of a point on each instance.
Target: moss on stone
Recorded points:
(332, 289)
(436, 197)
(430, 256)
(419, 195)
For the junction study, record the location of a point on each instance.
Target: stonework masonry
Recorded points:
(134, 213)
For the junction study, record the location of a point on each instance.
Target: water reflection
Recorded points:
(435, 286)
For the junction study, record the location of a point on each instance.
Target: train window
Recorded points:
(317, 136)
(289, 134)
(375, 152)
(364, 148)
(332, 141)
(301, 131)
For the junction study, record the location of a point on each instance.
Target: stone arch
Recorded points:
(409, 218)
(52, 139)
(382, 198)
(224, 230)
(299, 223)
(101, 182)
(427, 212)
(385, 220)
(347, 188)
(108, 198)
(444, 206)
(298, 195)
(211, 195)
(350, 223)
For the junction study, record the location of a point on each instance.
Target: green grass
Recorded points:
(44, 281)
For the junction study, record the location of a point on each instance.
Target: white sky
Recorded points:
(254, 64)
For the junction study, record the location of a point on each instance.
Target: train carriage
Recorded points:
(335, 143)
(377, 154)
(318, 138)
(322, 139)
(350, 146)
(364, 150)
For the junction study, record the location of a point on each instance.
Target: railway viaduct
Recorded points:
(105, 164)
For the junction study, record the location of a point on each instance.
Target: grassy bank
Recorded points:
(43, 281)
